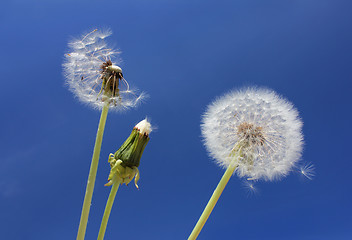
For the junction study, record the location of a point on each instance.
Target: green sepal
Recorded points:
(131, 151)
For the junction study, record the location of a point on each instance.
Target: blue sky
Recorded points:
(183, 54)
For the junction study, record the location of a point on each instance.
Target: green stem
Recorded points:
(92, 174)
(109, 203)
(213, 200)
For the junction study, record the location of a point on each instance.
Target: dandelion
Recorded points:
(124, 166)
(95, 79)
(254, 133)
(92, 75)
(263, 126)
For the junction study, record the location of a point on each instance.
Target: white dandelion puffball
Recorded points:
(94, 77)
(256, 129)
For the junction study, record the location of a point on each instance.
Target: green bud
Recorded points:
(131, 151)
(124, 163)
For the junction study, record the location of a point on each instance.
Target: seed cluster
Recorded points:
(255, 128)
(250, 134)
(92, 74)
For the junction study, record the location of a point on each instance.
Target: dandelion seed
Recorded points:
(263, 126)
(249, 187)
(92, 75)
(307, 170)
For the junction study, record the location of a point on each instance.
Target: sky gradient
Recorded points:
(184, 54)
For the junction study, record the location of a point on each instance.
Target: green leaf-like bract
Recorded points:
(132, 149)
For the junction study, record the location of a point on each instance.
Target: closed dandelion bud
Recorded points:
(124, 163)
(132, 149)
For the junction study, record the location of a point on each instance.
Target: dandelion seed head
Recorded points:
(93, 75)
(264, 127)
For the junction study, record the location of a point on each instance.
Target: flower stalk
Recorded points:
(108, 207)
(92, 174)
(124, 166)
(214, 199)
(92, 74)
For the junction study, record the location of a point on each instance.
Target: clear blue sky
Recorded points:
(183, 54)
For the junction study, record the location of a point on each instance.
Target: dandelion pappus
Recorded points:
(257, 129)
(92, 73)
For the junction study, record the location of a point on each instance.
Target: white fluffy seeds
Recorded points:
(88, 67)
(263, 126)
(144, 127)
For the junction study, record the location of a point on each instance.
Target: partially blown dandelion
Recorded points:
(94, 77)
(254, 132)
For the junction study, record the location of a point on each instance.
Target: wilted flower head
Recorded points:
(256, 129)
(93, 76)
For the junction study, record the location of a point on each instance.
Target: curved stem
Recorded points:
(213, 200)
(109, 203)
(92, 174)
